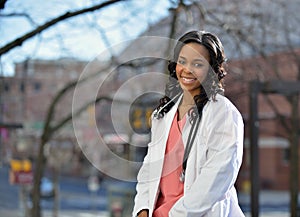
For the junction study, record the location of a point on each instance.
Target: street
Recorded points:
(74, 196)
(77, 200)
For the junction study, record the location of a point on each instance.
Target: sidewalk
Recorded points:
(271, 214)
(14, 213)
(48, 213)
(272, 204)
(273, 198)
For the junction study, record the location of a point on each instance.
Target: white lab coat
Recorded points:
(212, 166)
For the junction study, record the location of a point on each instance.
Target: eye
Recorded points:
(198, 65)
(181, 62)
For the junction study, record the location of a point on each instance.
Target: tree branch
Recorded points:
(2, 4)
(78, 112)
(19, 41)
(19, 15)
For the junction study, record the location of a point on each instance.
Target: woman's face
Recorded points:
(192, 67)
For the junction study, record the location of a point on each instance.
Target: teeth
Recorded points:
(188, 79)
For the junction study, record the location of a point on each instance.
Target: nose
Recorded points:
(188, 68)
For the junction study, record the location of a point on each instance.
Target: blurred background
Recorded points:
(67, 71)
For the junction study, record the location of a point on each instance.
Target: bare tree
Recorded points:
(49, 130)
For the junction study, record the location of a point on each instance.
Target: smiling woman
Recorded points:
(191, 70)
(196, 144)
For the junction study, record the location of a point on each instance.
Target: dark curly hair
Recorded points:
(213, 83)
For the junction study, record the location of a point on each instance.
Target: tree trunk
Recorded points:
(56, 192)
(38, 173)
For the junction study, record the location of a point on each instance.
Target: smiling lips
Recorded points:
(188, 80)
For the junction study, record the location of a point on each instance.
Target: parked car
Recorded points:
(46, 188)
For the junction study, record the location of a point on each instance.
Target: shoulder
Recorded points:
(221, 101)
(221, 105)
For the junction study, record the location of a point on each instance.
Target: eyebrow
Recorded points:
(201, 60)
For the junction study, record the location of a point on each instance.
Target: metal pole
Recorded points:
(254, 151)
(294, 158)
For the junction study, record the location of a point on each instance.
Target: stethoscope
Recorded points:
(157, 111)
(191, 137)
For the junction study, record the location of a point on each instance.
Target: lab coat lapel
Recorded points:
(159, 145)
(163, 129)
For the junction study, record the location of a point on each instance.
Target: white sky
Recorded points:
(75, 35)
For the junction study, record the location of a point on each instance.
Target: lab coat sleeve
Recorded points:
(141, 200)
(142, 196)
(224, 140)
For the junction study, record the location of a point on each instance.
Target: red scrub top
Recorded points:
(171, 188)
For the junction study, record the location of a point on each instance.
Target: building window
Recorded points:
(37, 86)
(6, 87)
(22, 87)
(286, 154)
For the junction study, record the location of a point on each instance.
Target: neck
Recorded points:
(187, 99)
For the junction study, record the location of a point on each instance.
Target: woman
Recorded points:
(196, 144)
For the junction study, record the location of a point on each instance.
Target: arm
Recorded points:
(224, 139)
(141, 198)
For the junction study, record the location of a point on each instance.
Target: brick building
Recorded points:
(26, 98)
